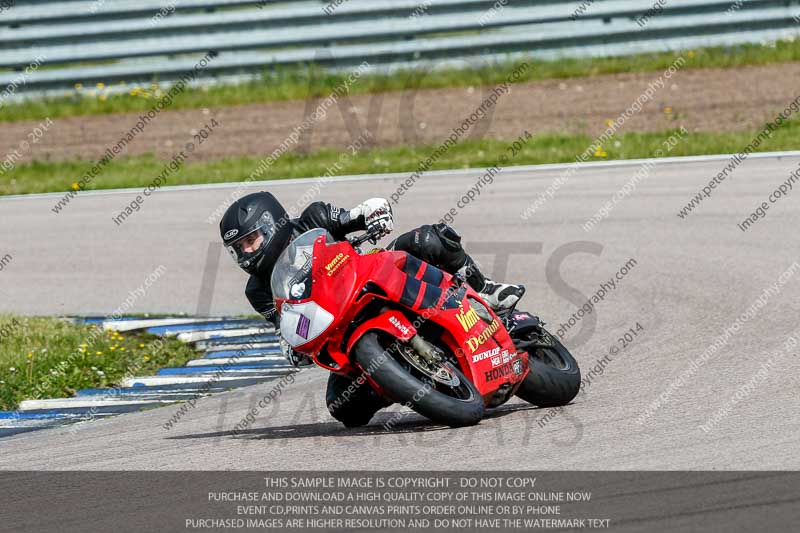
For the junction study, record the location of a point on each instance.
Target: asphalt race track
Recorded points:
(692, 278)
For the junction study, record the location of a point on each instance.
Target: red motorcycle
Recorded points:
(415, 334)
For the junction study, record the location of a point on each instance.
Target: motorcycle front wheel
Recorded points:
(453, 401)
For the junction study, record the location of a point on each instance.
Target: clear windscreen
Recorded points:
(291, 277)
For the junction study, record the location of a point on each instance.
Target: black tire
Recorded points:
(404, 388)
(555, 378)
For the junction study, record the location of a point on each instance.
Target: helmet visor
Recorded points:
(247, 249)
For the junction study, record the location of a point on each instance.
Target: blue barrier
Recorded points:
(97, 320)
(22, 415)
(205, 326)
(241, 353)
(213, 369)
(210, 378)
(238, 339)
(142, 392)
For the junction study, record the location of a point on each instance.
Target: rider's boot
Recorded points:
(499, 296)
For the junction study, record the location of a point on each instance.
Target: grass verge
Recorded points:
(40, 176)
(308, 81)
(51, 358)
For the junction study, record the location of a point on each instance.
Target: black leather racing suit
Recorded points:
(437, 244)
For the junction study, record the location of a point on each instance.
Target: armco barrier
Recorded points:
(141, 41)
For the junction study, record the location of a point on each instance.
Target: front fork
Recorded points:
(426, 350)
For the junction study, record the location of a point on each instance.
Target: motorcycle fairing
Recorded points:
(339, 274)
(392, 322)
(301, 323)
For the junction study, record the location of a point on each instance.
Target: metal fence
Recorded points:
(46, 47)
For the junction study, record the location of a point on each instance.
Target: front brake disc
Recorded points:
(441, 374)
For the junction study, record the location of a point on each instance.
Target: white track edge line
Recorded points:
(399, 175)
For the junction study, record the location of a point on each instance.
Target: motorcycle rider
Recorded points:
(256, 228)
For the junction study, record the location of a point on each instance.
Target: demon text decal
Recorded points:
(483, 336)
(336, 263)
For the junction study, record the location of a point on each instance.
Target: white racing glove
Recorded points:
(377, 215)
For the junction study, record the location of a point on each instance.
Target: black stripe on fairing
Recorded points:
(432, 275)
(431, 296)
(410, 291)
(412, 265)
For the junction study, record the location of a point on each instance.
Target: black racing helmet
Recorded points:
(254, 216)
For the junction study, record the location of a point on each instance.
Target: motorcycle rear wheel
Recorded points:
(373, 355)
(555, 378)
